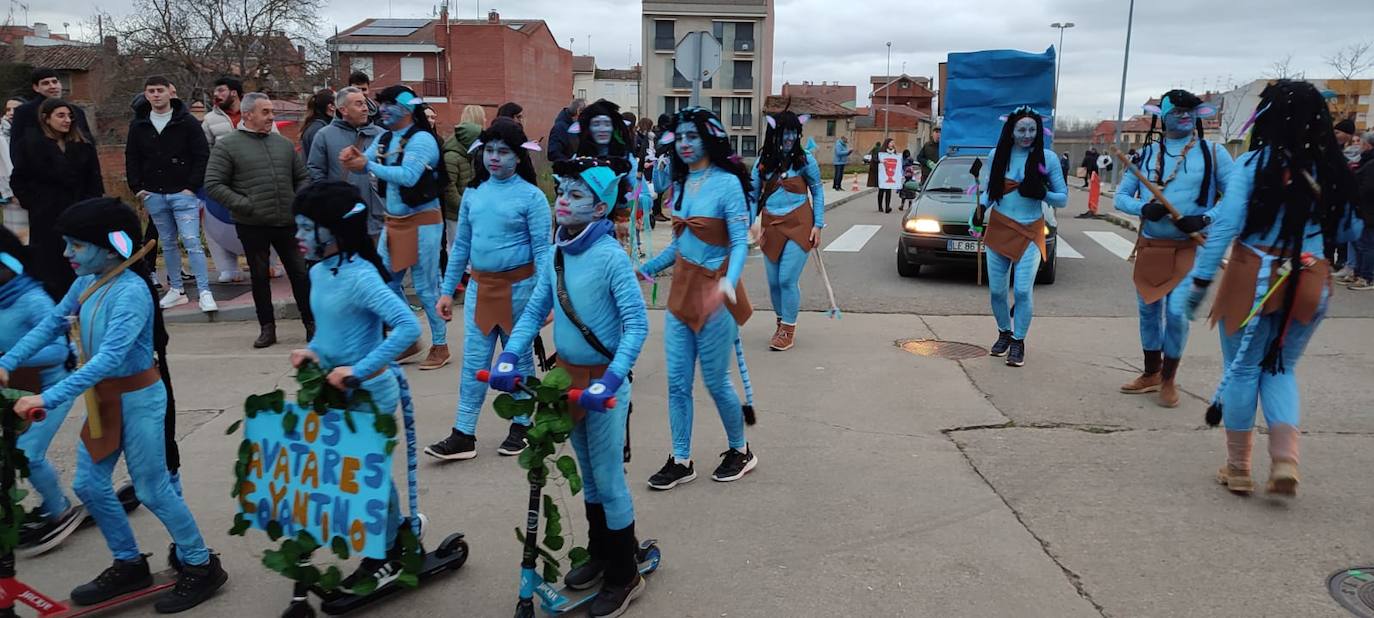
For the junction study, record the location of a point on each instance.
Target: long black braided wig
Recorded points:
(1293, 139)
(331, 204)
(622, 142)
(1034, 180)
(718, 150)
(772, 160)
(509, 132)
(92, 220)
(1154, 138)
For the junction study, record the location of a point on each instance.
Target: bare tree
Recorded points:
(1348, 62)
(1283, 68)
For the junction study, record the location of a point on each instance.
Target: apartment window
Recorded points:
(744, 36)
(749, 146)
(830, 128)
(744, 75)
(678, 80)
(734, 143)
(718, 30)
(664, 36)
(716, 103)
(412, 69)
(671, 105)
(362, 63)
(582, 93)
(741, 112)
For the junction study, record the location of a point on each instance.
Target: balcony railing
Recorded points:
(744, 83)
(741, 120)
(744, 45)
(663, 43)
(434, 88)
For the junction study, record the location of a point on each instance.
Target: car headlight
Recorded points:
(922, 226)
(1047, 230)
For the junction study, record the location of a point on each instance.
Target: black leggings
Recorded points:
(884, 198)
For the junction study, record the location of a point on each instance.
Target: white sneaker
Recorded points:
(1344, 275)
(207, 302)
(173, 298)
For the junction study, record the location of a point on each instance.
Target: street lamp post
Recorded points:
(1059, 61)
(1121, 106)
(887, 92)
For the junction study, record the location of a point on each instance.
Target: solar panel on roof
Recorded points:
(378, 31)
(400, 23)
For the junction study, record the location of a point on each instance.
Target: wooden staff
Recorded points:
(1154, 190)
(92, 404)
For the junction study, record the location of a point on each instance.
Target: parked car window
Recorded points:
(951, 175)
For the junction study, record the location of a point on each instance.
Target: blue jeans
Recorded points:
(177, 215)
(424, 276)
(713, 346)
(1000, 278)
(1364, 250)
(784, 278)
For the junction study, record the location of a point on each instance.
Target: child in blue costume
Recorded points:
(352, 303)
(404, 161)
(1290, 196)
(706, 304)
(790, 221)
(604, 132)
(603, 291)
(1022, 178)
(1191, 172)
(504, 229)
(121, 331)
(23, 304)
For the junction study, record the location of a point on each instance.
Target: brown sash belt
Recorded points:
(794, 226)
(494, 305)
(403, 237)
(110, 406)
(1236, 296)
(582, 377)
(1160, 265)
(692, 294)
(1009, 238)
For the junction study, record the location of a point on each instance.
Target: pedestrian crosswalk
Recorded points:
(858, 236)
(853, 239)
(1113, 242)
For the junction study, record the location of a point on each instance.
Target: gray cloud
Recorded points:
(1174, 42)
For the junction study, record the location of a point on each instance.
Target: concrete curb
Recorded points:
(848, 198)
(1122, 220)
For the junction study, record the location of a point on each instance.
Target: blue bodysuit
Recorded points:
(351, 307)
(421, 153)
(117, 334)
(605, 294)
(719, 196)
(1161, 330)
(502, 225)
(23, 304)
(784, 275)
(1022, 210)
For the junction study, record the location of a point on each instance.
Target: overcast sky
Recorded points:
(1192, 44)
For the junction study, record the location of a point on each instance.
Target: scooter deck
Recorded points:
(568, 599)
(448, 556)
(162, 580)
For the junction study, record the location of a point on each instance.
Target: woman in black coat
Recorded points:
(54, 168)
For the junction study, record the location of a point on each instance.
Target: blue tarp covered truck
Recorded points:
(982, 86)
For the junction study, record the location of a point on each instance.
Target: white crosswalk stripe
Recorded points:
(1067, 251)
(853, 239)
(1113, 242)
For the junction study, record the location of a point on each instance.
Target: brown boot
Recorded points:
(1235, 474)
(438, 357)
(783, 338)
(1168, 392)
(1148, 381)
(1283, 460)
(405, 357)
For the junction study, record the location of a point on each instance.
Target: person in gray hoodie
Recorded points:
(350, 127)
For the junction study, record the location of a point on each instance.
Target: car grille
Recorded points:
(955, 229)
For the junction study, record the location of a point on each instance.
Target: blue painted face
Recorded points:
(576, 203)
(87, 258)
(313, 240)
(1023, 132)
(690, 148)
(789, 139)
(500, 159)
(602, 128)
(394, 116)
(1179, 122)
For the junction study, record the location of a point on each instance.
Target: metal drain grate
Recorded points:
(1354, 590)
(952, 350)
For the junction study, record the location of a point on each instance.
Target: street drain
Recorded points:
(952, 350)
(1354, 590)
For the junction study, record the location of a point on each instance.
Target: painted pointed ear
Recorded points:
(1004, 117)
(123, 245)
(667, 138)
(475, 145)
(1206, 110)
(629, 124)
(357, 209)
(1048, 132)
(575, 128)
(12, 263)
(532, 146)
(803, 118)
(772, 124)
(1152, 109)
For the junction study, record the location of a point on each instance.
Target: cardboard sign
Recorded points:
(889, 170)
(320, 477)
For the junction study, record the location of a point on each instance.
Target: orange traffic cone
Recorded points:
(855, 188)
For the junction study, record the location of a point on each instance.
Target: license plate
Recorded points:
(964, 246)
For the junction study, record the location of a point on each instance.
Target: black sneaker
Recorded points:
(381, 570)
(735, 465)
(196, 583)
(456, 446)
(515, 440)
(40, 536)
(615, 600)
(1003, 341)
(585, 576)
(1085, 215)
(672, 474)
(1016, 355)
(123, 577)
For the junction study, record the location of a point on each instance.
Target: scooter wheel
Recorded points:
(299, 609)
(454, 547)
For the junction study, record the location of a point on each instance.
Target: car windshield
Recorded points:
(951, 176)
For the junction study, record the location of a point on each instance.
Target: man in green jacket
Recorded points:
(459, 163)
(255, 173)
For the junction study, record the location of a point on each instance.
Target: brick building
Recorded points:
(833, 92)
(829, 121)
(453, 63)
(913, 92)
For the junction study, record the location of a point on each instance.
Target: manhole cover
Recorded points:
(1354, 590)
(952, 350)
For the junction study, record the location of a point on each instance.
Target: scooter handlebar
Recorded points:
(37, 415)
(573, 393)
